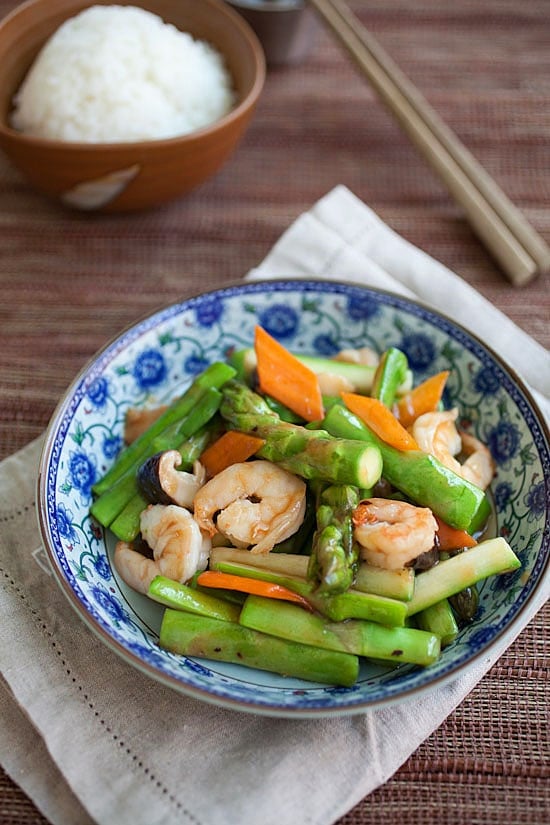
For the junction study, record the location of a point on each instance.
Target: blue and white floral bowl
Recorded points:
(158, 357)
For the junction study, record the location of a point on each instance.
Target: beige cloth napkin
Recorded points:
(90, 739)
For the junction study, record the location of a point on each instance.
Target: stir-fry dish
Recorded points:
(296, 514)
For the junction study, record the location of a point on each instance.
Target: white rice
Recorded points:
(119, 73)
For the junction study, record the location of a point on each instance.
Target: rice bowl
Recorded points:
(119, 73)
(128, 175)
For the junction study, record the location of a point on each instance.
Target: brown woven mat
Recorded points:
(69, 282)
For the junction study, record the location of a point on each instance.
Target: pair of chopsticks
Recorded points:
(514, 243)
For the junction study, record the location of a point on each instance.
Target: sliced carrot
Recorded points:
(422, 399)
(380, 419)
(257, 587)
(230, 448)
(282, 376)
(449, 538)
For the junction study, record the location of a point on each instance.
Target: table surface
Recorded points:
(72, 281)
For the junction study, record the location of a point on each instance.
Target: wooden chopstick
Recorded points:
(519, 249)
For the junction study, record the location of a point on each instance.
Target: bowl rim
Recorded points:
(267, 7)
(508, 632)
(244, 105)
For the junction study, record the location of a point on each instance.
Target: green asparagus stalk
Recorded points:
(312, 454)
(395, 584)
(205, 638)
(197, 442)
(181, 597)
(243, 409)
(337, 461)
(390, 374)
(359, 376)
(488, 558)
(289, 564)
(352, 604)
(112, 502)
(439, 619)
(334, 553)
(213, 376)
(420, 476)
(374, 641)
(126, 525)
(284, 413)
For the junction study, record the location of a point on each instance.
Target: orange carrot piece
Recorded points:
(449, 538)
(422, 399)
(380, 419)
(286, 379)
(230, 448)
(257, 587)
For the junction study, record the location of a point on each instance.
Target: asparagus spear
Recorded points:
(213, 376)
(284, 413)
(181, 597)
(112, 502)
(390, 375)
(352, 604)
(439, 619)
(206, 638)
(284, 563)
(312, 454)
(334, 553)
(395, 584)
(452, 575)
(393, 644)
(420, 476)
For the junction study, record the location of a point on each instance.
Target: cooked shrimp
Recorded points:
(134, 568)
(363, 355)
(179, 485)
(479, 467)
(331, 383)
(436, 433)
(257, 502)
(160, 481)
(179, 546)
(393, 533)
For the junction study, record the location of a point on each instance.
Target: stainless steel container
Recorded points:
(285, 28)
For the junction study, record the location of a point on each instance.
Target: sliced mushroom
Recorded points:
(465, 604)
(161, 482)
(426, 560)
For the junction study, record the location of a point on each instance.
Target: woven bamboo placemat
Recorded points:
(69, 282)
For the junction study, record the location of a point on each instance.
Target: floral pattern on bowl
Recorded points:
(158, 357)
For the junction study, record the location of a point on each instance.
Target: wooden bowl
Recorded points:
(118, 177)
